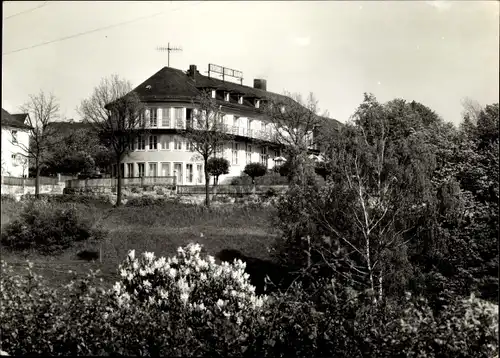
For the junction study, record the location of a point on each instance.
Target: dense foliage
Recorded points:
(217, 167)
(411, 203)
(48, 228)
(75, 149)
(188, 305)
(255, 170)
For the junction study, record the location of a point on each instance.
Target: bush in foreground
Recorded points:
(188, 305)
(48, 228)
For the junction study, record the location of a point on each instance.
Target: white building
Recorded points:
(168, 96)
(15, 141)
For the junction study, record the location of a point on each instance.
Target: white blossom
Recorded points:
(184, 297)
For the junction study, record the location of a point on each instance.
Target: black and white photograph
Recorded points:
(250, 178)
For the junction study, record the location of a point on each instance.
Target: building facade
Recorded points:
(168, 97)
(15, 142)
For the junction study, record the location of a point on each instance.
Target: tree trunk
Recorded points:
(118, 183)
(207, 185)
(37, 179)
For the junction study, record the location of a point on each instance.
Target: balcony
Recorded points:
(269, 136)
(250, 133)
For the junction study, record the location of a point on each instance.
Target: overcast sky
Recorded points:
(436, 52)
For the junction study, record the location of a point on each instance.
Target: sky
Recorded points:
(433, 52)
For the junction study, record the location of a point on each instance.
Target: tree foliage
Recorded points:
(410, 203)
(255, 170)
(217, 167)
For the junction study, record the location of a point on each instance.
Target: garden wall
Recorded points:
(18, 190)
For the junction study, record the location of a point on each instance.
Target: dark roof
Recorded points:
(171, 83)
(14, 120)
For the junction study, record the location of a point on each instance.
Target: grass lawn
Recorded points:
(160, 229)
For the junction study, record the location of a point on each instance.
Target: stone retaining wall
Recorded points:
(17, 190)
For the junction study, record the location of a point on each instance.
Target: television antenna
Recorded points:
(168, 49)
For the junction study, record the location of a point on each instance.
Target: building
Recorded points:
(15, 142)
(168, 96)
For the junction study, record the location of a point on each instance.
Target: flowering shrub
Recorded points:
(195, 291)
(188, 305)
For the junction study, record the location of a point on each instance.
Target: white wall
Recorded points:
(183, 157)
(11, 166)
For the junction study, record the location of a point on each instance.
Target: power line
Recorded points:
(25, 11)
(94, 30)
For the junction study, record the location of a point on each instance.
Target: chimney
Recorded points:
(192, 71)
(260, 84)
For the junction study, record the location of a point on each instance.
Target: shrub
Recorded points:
(135, 190)
(8, 198)
(48, 229)
(254, 170)
(216, 302)
(145, 200)
(270, 193)
(216, 167)
(88, 255)
(160, 192)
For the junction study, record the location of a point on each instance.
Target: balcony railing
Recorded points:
(266, 135)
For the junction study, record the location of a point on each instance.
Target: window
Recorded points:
(130, 170)
(141, 143)
(263, 156)
(177, 143)
(190, 146)
(199, 172)
(282, 109)
(165, 117)
(235, 154)
(178, 172)
(14, 137)
(240, 99)
(249, 153)
(165, 144)
(179, 122)
(226, 96)
(219, 151)
(153, 117)
(152, 170)
(132, 145)
(189, 173)
(140, 169)
(257, 103)
(213, 93)
(165, 169)
(153, 142)
(142, 119)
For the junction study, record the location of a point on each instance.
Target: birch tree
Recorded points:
(42, 110)
(206, 133)
(117, 116)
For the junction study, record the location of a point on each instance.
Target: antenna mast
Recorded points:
(168, 49)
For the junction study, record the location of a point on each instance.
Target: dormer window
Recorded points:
(282, 109)
(257, 103)
(226, 96)
(240, 99)
(213, 93)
